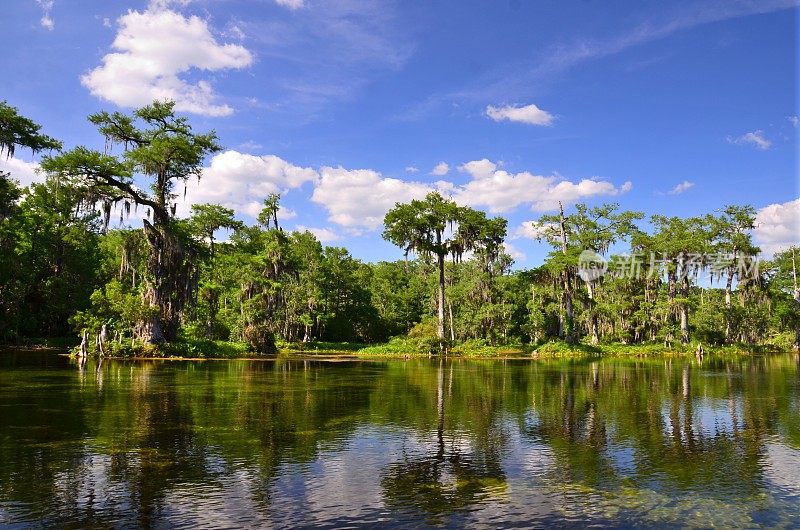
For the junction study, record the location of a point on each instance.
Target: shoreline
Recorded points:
(558, 352)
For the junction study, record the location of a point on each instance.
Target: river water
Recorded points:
(277, 443)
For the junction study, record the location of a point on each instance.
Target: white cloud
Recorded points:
(530, 230)
(794, 120)
(530, 114)
(241, 181)
(445, 187)
(154, 49)
(442, 168)
(235, 32)
(502, 191)
(681, 187)
(21, 171)
(778, 226)
(515, 253)
(412, 169)
(755, 138)
(166, 4)
(360, 198)
(324, 235)
(479, 168)
(291, 4)
(46, 21)
(250, 145)
(285, 213)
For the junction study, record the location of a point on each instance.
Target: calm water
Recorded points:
(292, 443)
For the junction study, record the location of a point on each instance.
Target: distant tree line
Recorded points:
(65, 270)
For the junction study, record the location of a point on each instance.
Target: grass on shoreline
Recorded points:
(401, 348)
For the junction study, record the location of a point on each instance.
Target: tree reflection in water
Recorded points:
(446, 476)
(647, 441)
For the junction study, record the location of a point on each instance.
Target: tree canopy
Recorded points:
(18, 131)
(698, 279)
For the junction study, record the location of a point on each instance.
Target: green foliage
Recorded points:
(62, 270)
(59, 247)
(18, 131)
(162, 148)
(180, 349)
(421, 227)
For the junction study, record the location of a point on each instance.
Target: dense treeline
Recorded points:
(65, 270)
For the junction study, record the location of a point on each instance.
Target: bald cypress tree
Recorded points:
(160, 148)
(437, 227)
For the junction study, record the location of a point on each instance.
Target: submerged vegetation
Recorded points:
(649, 442)
(172, 288)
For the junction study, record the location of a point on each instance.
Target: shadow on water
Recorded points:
(610, 442)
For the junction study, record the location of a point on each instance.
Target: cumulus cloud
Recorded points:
(755, 138)
(359, 198)
(324, 235)
(530, 114)
(291, 4)
(46, 21)
(154, 49)
(242, 182)
(778, 226)
(479, 168)
(284, 213)
(440, 169)
(515, 253)
(681, 187)
(23, 172)
(412, 169)
(501, 191)
(529, 230)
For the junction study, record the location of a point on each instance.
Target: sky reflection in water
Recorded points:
(249, 443)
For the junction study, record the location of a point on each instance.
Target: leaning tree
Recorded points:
(161, 149)
(439, 227)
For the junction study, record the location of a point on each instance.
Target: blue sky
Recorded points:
(346, 107)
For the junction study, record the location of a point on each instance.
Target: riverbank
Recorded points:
(399, 348)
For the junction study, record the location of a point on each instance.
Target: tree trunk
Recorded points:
(440, 257)
(685, 311)
(452, 327)
(671, 291)
(728, 293)
(440, 324)
(150, 331)
(170, 283)
(796, 294)
(568, 327)
(592, 314)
